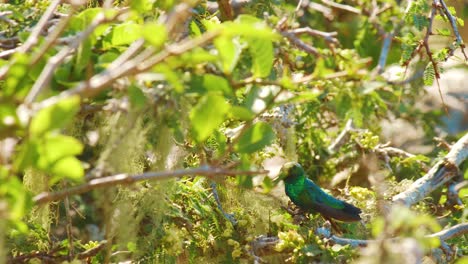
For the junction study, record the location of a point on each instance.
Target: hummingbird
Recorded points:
(308, 196)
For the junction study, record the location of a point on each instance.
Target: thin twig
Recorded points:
(127, 179)
(384, 52)
(387, 152)
(342, 7)
(299, 43)
(453, 23)
(68, 227)
(342, 138)
(328, 36)
(33, 39)
(53, 37)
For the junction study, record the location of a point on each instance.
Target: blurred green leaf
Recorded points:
(136, 96)
(54, 147)
(124, 34)
(54, 117)
(229, 51)
(241, 113)
(255, 138)
(68, 167)
(261, 51)
(155, 34)
(141, 6)
(207, 115)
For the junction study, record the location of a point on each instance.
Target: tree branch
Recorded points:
(126, 179)
(342, 7)
(101, 81)
(46, 74)
(439, 174)
(453, 23)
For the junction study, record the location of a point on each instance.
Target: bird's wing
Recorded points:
(331, 207)
(322, 197)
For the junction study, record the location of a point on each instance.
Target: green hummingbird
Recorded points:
(308, 196)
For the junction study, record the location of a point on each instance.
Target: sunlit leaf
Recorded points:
(155, 34)
(54, 117)
(261, 51)
(69, 167)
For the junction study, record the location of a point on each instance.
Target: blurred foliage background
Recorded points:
(93, 91)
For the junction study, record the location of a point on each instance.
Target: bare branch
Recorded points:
(439, 174)
(33, 39)
(328, 36)
(126, 179)
(384, 52)
(342, 137)
(386, 152)
(342, 7)
(451, 232)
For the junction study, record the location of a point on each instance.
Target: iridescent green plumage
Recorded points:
(308, 196)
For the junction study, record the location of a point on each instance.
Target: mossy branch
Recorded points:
(126, 179)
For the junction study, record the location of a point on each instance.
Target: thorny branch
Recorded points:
(127, 179)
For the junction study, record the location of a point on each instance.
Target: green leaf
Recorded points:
(261, 51)
(27, 156)
(53, 148)
(136, 96)
(123, 34)
(207, 115)
(229, 51)
(83, 57)
(444, 32)
(54, 117)
(69, 167)
(155, 34)
(17, 79)
(141, 6)
(241, 113)
(255, 138)
(213, 83)
(429, 74)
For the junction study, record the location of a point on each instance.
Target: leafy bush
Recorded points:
(121, 124)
